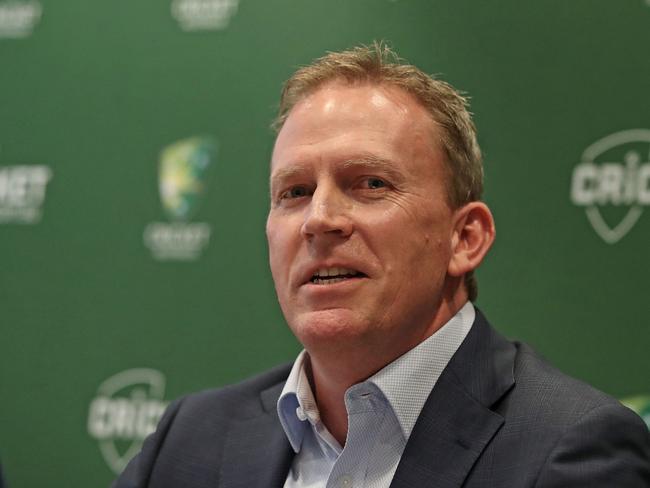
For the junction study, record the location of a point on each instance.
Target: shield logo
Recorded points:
(182, 174)
(611, 182)
(125, 410)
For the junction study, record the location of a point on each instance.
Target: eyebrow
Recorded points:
(285, 174)
(375, 163)
(370, 162)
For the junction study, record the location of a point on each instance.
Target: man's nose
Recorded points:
(328, 213)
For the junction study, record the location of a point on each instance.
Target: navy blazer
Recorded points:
(499, 416)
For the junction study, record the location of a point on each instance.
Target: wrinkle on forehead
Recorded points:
(338, 111)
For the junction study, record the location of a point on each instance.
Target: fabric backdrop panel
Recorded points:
(134, 155)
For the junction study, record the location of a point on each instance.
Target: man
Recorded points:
(375, 228)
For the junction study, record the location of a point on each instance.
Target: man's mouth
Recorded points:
(329, 276)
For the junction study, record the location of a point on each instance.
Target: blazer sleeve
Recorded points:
(138, 471)
(608, 447)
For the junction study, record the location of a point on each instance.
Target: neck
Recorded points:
(333, 372)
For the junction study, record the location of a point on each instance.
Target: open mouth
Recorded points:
(329, 276)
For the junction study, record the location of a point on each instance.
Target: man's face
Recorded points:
(360, 227)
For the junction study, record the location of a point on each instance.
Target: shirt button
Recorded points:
(345, 481)
(300, 413)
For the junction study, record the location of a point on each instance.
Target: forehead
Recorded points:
(340, 118)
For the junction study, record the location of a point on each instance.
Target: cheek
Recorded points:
(276, 246)
(283, 238)
(425, 243)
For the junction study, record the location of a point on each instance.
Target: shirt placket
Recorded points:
(365, 419)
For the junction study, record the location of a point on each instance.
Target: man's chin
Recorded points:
(327, 328)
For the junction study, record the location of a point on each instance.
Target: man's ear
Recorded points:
(473, 235)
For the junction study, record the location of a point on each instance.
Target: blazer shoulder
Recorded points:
(242, 399)
(193, 428)
(547, 405)
(559, 431)
(610, 443)
(540, 383)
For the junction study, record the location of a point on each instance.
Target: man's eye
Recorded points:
(295, 192)
(375, 183)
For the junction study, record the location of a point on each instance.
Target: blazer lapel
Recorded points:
(456, 423)
(257, 453)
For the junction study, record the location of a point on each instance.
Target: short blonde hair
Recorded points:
(379, 64)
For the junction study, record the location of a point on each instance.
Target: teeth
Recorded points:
(329, 276)
(334, 272)
(316, 281)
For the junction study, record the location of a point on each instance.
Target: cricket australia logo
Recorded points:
(612, 182)
(125, 410)
(182, 182)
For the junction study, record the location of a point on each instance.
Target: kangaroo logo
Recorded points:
(182, 181)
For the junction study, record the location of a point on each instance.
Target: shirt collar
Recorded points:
(406, 382)
(296, 401)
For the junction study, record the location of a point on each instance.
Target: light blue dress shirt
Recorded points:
(381, 414)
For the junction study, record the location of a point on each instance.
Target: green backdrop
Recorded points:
(134, 148)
